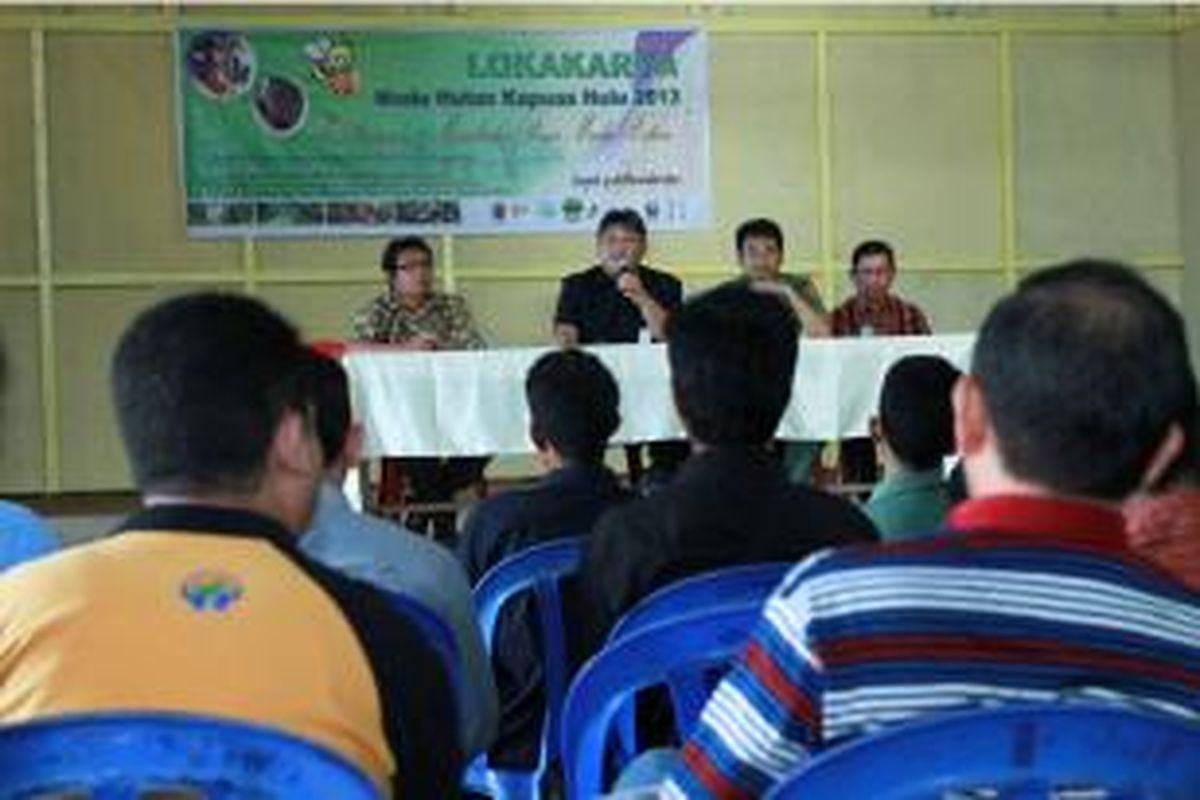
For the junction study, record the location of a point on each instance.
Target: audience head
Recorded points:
(732, 352)
(620, 240)
(213, 399)
(1080, 385)
(340, 438)
(408, 262)
(573, 405)
(873, 269)
(916, 418)
(760, 248)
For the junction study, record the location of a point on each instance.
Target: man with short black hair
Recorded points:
(202, 603)
(573, 410)
(732, 354)
(394, 558)
(760, 253)
(873, 310)
(1078, 386)
(914, 432)
(621, 300)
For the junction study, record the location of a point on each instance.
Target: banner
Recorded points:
(290, 132)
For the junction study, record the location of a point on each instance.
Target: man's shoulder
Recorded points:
(645, 515)
(655, 275)
(584, 277)
(822, 511)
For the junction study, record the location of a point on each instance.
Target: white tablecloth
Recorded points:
(473, 403)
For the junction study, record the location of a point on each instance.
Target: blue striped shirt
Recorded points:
(1020, 599)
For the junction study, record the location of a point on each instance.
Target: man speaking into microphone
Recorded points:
(620, 299)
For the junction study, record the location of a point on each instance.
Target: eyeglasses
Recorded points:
(415, 263)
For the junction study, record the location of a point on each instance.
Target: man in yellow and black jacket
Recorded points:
(202, 602)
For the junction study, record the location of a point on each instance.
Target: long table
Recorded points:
(473, 403)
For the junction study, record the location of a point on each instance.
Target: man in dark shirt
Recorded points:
(620, 297)
(573, 402)
(621, 300)
(732, 355)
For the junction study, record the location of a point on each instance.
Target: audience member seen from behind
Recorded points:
(914, 433)
(1077, 385)
(732, 355)
(394, 559)
(1164, 524)
(573, 409)
(873, 310)
(411, 313)
(202, 602)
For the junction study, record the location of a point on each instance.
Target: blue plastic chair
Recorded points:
(639, 660)
(740, 585)
(538, 569)
(121, 756)
(1020, 751)
(746, 585)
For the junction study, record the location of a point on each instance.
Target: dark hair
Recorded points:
(759, 228)
(331, 395)
(573, 404)
(200, 383)
(915, 411)
(872, 247)
(387, 261)
(732, 352)
(625, 218)
(1083, 370)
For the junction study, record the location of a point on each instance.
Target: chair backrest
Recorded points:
(436, 630)
(538, 569)
(122, 756)
(743, 584)
(1021, 751)
(642, 659)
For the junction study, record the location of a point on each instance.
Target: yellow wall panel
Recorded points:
(356, 257)
(512, 313)
(763, 132)
(320, 311)
(20, 393)
(915, 149)
(90, 321)
(1095, 146)
(16, 158)
(115, 193)
(1187, 74)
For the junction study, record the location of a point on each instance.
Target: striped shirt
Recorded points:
(1020, 599)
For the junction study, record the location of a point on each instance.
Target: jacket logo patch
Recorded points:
(211, 590)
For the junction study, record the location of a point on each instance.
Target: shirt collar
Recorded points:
(1053, 519)
(732, 459)
(213, 520)
(578, 474)
(905, 481)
